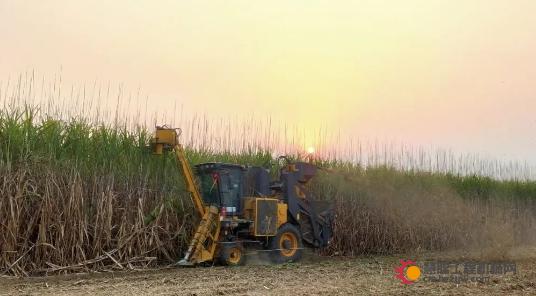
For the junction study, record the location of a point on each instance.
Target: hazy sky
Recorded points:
(457, 74)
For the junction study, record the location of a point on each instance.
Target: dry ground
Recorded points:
(325, 276)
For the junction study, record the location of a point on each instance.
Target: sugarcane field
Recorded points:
(267, 148)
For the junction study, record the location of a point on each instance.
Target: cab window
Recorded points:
(209, 189)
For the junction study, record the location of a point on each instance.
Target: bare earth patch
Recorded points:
(326, 276)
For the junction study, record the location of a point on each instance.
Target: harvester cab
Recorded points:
(240, 207)
(221, 185)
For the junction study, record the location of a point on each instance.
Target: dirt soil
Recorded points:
(317, 276)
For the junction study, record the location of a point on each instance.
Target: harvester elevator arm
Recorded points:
(166, 138)
(189, 179)
(203, 245)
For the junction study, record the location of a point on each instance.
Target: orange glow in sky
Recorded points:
(457, 74)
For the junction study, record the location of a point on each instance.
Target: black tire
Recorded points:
(232, 254)
(286, 245)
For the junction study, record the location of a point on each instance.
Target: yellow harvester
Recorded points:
(240, 207)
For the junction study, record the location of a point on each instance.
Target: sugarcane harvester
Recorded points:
(240, 207)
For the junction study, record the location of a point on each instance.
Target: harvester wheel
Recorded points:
(232, 255)
(287, 245)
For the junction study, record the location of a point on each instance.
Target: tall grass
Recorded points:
(80, 192)
(115, 106)
(387, 211)
(72, 191)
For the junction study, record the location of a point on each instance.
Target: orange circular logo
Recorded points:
(408, 272)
